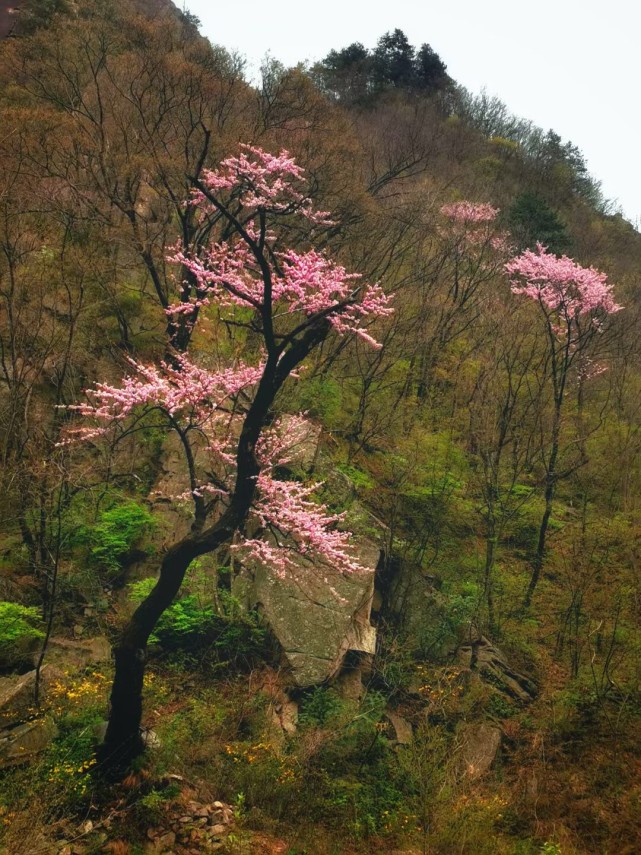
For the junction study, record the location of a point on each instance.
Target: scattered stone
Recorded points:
(191, 823)
(479, 746)
(285, 716)
(167, 840)
(22, 743)
(403, 730)
(162, 843)
(350, 684)
(150, 738)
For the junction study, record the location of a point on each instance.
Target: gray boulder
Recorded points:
(17, 694)
(78, 653)
(403, 732)
(315, 626)
(22, 743)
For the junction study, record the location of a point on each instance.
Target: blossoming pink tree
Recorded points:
(575, 303)
(288, 301)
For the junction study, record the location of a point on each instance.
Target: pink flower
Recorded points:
(470, 212)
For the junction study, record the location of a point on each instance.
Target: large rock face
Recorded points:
(17, 695)
(314, 626)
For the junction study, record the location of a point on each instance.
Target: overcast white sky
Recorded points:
(570, 65)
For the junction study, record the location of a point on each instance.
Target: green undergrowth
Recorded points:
(20, 632)
(195, 627)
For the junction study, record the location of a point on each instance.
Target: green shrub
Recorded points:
(19, 633)
(361, 480)
(117, 532)
(320, 706)
(322, 398)
(192, 623)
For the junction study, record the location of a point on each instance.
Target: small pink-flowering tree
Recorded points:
(288, 302)
(575, 303)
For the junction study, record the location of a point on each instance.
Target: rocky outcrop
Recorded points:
(317, 614)
(402, 732)
(482, 657)
(21, 739)
(73, 654)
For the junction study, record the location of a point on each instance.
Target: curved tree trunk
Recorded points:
(123, 739)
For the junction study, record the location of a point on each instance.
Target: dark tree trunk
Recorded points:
(539, 557)
(123, 740)
(550, 490)
(488, 580)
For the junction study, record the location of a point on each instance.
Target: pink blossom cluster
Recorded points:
(590, 369)
(184, 391)
(469, 213)
(286, 510)
(195, 398)
(560, 284)
(299, 526)
(248, 270)
(473, 226)
(310, 283)
(263, 181)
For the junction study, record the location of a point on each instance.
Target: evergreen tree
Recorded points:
(394, 61)
(430, 70)
(347, 74)
(532, 221)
